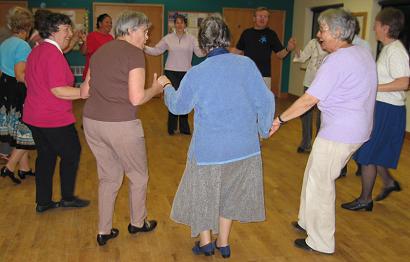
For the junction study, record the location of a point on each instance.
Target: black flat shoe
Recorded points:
(386, 191)
(51, 205)
(6, 172)
(297, 227)
(301, 243)
(23, 174)
(303, 150)
(356, 205)
(76, 202)
(149, 225)
(102, 239)
(343, 172)
(188, 133)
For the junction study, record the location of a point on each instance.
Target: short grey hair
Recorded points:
(130, 21)
(213, 33)
(341, 23)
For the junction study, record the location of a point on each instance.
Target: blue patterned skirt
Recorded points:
(12, 130)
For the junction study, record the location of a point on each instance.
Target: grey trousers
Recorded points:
(119, 147)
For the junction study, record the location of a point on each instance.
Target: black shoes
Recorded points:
(76, 202)
(297, 227)
(22, 174)
(6, 172)
(172, 132)
(343, 172)
(102, 239)
(188, 133)
(356, 205)
(301, 243)
(386, 191)
(51, 205)
(149, 225)
(303, 150)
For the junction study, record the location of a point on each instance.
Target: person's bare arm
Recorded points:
(136, 92)
(19, 71)
(399, 84)
(85, 86)
(285, 51)
(299, 107)
(66, 92)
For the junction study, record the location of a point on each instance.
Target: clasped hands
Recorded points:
(158, 83)
(275, 126)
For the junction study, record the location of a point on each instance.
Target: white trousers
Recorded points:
(317, 200)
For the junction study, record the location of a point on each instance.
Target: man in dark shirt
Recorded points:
(258, 43)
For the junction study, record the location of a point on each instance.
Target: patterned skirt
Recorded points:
(12, 130)
(233, 191)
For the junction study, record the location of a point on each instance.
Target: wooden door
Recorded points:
(153, 64)
(4, 9)
(239, 19)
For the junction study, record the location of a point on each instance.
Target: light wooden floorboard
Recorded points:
(69, 235)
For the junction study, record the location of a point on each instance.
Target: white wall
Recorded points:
(302, 31)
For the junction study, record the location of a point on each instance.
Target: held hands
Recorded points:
(84, 94)
(163, 80)
(156, 85)
(291, 44)
(275, 126)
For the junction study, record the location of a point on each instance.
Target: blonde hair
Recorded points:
(259, 9)
(20, 19)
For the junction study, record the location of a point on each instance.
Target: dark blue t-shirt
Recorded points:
(258, 45)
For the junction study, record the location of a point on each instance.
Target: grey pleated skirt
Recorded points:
(233, 191)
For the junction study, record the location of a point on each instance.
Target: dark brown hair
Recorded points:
(392, 17)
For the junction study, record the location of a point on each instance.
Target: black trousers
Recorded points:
(176, 78)
(51, 143)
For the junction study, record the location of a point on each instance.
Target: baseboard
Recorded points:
(407, 136)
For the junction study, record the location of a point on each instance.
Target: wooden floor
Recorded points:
(69, 235)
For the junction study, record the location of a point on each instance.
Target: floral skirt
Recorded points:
(12, 130)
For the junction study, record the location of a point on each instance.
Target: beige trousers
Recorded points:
(119, 147)
(317, 200)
